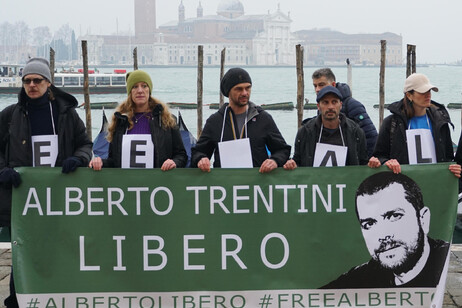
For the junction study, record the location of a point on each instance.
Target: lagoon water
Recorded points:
(279, 84)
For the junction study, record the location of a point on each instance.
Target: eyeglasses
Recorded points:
(34, 80)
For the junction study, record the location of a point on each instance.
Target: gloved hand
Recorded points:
(71, 163)
(9, 176)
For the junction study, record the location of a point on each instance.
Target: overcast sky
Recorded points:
(434, 26)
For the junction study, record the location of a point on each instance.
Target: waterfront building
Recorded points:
(263, 40)
(326, 47)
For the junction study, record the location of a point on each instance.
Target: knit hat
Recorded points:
(138, 76)
(233, 77)
(419, 83)
(328, 90)
(38, 66)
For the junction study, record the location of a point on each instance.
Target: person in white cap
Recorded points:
(417, 131)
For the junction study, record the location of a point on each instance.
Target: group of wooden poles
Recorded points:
(410, 68)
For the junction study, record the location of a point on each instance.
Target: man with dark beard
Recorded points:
(330, 139)
(394, 223)
(240, 134)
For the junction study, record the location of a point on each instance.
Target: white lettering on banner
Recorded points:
(366, 298)
(237, 198)
(222, 202)
(226, 253)
(29, 205)
(268, 243)
(243, 199)
(158, 251)
(138, 191)
(263, 250)
(285, 188)
(214, 201)
(188, 251)
(170, 201)
(83, 266)
(119, 266)
(328, 204)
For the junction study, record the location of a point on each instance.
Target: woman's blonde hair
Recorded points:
(128, 108)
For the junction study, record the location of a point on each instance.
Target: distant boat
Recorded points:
(70, 82)
(310, 106)
(182, 105)
(100, 144)
(376, 106)
(454, 105)
(278, 106)
(188, 139)
(101, 105)
(274, 106)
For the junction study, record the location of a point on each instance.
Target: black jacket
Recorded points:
(357, 112)
(392, 142)
(15, 139)
(167, 142)
(262, 132)
(308, 136)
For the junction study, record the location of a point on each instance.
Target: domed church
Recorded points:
(263, 39)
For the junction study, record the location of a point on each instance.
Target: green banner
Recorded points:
(228, 238)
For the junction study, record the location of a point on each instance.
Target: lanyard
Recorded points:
(232, 124)
(341, 133)
(52, 119)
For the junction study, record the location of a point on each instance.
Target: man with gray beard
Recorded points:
(394, 223)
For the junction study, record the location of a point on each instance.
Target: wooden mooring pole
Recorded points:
(86, 90)
(383, 59)
(349, 75)
(52, 65)
(200, 88)
(135, 58)
(300, 84)
(411, 60)
(222, 73)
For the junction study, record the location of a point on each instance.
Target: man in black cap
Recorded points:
(42, 129)
(330, 139)
(240, 120)
(351, 107)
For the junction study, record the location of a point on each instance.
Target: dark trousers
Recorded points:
(11, 301)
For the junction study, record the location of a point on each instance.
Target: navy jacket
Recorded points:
(357, 112)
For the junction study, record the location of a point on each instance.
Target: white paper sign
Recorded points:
(44, 150)
(420, 146)
(137, 151)
(328, 155)
(235, 153)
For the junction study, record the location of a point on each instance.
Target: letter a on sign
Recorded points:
(420, 146)
(328, 155)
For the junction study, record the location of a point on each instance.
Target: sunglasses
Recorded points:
(34, 80)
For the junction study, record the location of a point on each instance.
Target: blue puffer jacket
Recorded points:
(357, 112)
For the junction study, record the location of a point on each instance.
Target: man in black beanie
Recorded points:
(42, 129)
(240, 119)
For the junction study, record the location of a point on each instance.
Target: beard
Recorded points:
(330, 115)
(410, 255)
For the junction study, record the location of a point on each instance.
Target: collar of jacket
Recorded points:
(122, 118)
(64, 100)
(438, 115)
(253, 111)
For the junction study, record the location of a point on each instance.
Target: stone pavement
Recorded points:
(453, 295)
